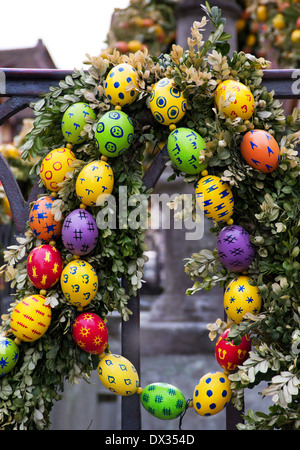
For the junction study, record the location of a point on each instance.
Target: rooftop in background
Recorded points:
(36, 57)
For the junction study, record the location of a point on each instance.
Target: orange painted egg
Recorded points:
(44, 266)
(41, 220)
(260, 150)
(90, 333)
(230, 356)
(55, 166)
(241, 106)
(30, 318)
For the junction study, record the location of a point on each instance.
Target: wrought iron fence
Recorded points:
(23, 86)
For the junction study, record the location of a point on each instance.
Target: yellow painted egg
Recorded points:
(55, 166)
(167, 103)
(212, 394)
(241, 106)
(121, 85)
(30, 318)
(214, 198)
(95, 183)
(79, 283)
(118, 375)
(241, 297)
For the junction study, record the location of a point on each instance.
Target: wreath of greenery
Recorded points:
(266, 205)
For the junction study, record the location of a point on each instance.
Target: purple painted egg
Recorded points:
(235, 250)
(79, 232)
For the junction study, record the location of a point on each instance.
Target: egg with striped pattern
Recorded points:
(215, 198)
(30, 318)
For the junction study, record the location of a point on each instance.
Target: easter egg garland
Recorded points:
(220, 109)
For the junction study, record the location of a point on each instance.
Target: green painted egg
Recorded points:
(162, 400)
(9, 354)
(114, 133)
(74, 120)
(184, 146)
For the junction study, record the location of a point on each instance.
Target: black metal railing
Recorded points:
(23, 86)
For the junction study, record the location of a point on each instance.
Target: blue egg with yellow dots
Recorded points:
(114, 133)
(167, 102)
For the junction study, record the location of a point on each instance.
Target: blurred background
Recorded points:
(175, 347)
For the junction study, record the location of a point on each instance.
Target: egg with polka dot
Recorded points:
(114, 133)
(118, 375)
(214, 197)
(212, 394)
(9, 355)
(167, 103)
(121, 85)
(241, 296)
(163, 400)
(240, 99)
(74, 120)
(41, 220)
(260, 150)
(55, 167)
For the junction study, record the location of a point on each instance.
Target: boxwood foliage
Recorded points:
(266, 205)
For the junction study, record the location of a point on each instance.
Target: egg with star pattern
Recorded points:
(90, 333)
(241, 296)
(260, 150)
(9, 355)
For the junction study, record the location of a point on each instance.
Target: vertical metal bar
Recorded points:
(233, 417)
(130, 336)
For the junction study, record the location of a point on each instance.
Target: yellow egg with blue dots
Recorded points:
(215, 198)
(95, 183)
(121, 85)
(167, 102)
(118, 375)
(212, 394)
(241, 296)
(240, 99)
(79, 282)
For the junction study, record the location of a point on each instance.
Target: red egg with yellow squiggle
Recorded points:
(44, 266)
(228, 355)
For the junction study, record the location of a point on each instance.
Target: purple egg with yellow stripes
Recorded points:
(235, 250)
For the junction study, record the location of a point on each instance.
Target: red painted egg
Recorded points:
(44, 266)
(41, 220)
(260, 150)
(90, 333)
(228, 355)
